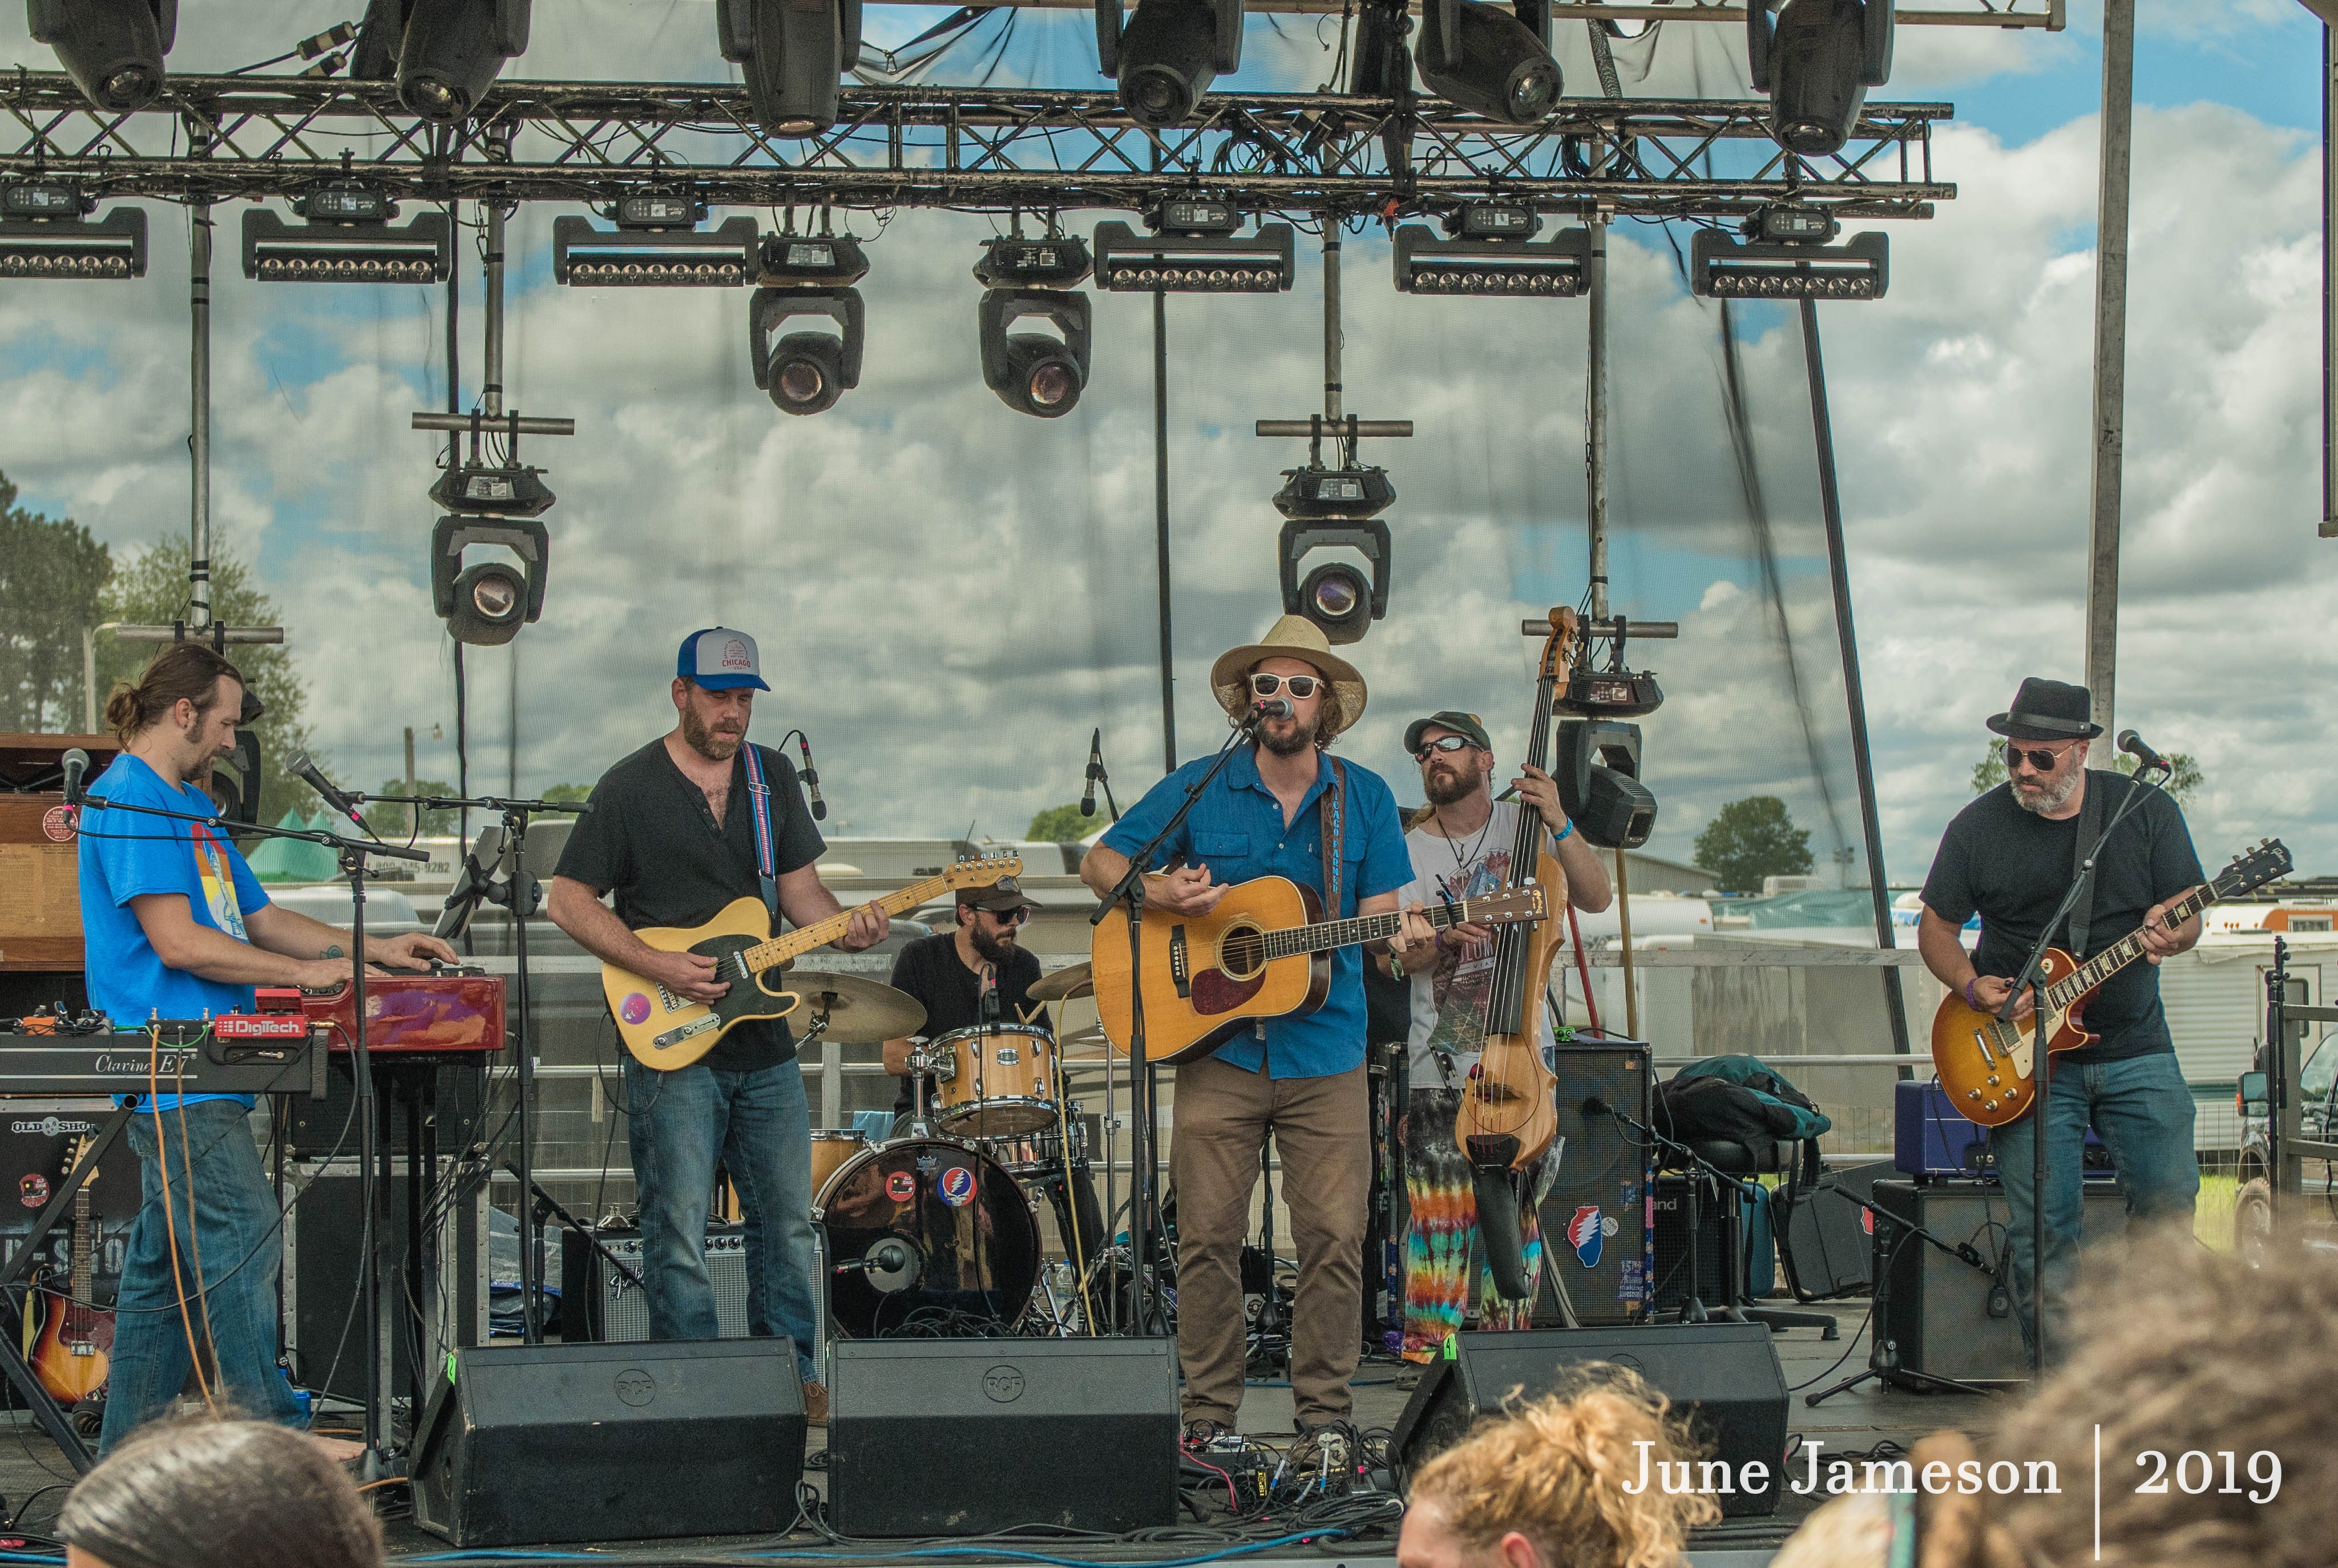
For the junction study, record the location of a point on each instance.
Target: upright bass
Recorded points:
(1509, 1105)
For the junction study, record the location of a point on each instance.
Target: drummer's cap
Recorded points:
(719, 658)
(1000, 896)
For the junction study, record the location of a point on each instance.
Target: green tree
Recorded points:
(52, 577)
(151, 590)
(387, 819)
(579, 793)
(1063, 825)
(1752, 838)
(2183, 781)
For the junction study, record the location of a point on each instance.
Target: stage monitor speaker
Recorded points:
(966, 1436)
(1594, 1218)
(533, 1444)
(1725, 1377)
(1936, 1309)
(1827, 1246)
(1720, 1242)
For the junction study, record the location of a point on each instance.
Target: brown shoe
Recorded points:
(815, 1404)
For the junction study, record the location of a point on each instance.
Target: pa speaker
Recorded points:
(532, 1444)
(1724, 1376)
(1827, 1246)
(966, 1436)
(1595, 1235)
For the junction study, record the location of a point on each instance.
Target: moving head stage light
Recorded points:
(1489, 251)
(43, 235)
(1816, 61)
(1329, 508)
(1489, 60)
(805, 275)
(1169, 54)
(112, 49)
(1194, 249)
(793, 53)
(1027, 279)
(447, 53)
(1786, 256)
(657, 245)
(486, 603)
(347, 240)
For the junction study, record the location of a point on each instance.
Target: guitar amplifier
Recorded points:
(1596, 1228)
(1929, 1137)
(597, 1303)
(1718, 1240)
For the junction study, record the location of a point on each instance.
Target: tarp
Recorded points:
(292, 860)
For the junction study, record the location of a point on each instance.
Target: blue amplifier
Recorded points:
(1930, 1138)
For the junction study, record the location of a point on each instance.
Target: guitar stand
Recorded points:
(52, 1418)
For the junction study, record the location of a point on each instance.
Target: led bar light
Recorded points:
(1260, 263)
(586, 257)
(113, 246)
(1553, 268)
(275, 251)
(1721, 268)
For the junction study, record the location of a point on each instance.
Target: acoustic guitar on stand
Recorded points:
(666, 1030)
(1265, 952)
(1986, 1066)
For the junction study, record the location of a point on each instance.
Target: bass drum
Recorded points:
(927, 1237)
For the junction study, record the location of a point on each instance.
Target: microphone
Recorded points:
(1096, 766)
(76, 761)
(1272, 708)
(2133, 745)
(811, 779)
(302, 767)
(1596, 1106)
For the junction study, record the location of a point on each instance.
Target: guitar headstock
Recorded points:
(2252, 868)
(1511, 907)
(986, 870)
(1558, 651)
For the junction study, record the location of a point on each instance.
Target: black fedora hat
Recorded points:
(2048, 711)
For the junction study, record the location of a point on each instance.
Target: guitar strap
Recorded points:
(759, 797)
(2091, 828)
(1333, 804)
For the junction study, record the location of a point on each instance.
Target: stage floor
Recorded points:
(1850, 1422)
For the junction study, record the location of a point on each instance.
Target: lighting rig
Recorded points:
(44, 233)
(1025, 280)
(1816, 60)
(1335, 508)
(1196, 247)
(112, 49)
(494, 500)
(1489, 249)
(1596, 764)
(657, 244)
(1168, 54)
(1493, 61)
(805, 275)
(346, 236)
(1785, 256)
(793, 54)
(444, 55)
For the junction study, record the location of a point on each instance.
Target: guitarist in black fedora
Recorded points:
(2008, 857)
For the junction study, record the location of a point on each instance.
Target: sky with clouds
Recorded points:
(950, 594)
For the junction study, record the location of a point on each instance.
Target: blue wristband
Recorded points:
(1560, 836)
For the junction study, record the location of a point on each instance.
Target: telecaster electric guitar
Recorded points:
(1265, 952)
(666, 1030)
(1986, 1066)
(72, 1354)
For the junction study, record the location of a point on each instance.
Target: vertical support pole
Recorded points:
(89, 682)
(832, 1083)
(1853, 692)
(1623, 936)
(1333, 389)
(2329, 281)
(2111, 359)
(1594, 441)
(1161, 523)
(199, 378)
(413, 813)
(491, 390)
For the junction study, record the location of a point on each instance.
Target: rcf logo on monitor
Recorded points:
(1003, 1385)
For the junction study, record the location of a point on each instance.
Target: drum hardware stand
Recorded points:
(1129, 893)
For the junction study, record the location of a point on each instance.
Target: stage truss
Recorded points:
(224, 138)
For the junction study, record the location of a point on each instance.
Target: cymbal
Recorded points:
(860, 1012)
(1068, 985)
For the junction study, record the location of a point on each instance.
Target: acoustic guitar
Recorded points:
(75, 1350)
(666, 1030)
(1986, 1066)
(1265, 952)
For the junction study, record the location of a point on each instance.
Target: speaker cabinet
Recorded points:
(1725, 1376)
(1827, 1246)
(598, 1303)
(965, 1436)
(533, 1444)
(1718, 1239)
(1594, 1218)
(1937, 1308)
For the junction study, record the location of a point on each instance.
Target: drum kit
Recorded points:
(934, 1232)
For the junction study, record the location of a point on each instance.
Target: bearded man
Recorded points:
(2008, 857)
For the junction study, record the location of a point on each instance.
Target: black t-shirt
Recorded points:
(2013, 867)
(930, 970)
(648, 834)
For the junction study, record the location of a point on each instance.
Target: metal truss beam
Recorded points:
(993, 150)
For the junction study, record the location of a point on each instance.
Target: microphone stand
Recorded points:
(380, 1436)
(2042, 1065)
(1129, 893)
(524, 890)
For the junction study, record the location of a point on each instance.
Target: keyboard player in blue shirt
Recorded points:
(1266, 815)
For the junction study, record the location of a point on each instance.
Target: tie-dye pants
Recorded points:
(1444, 1222)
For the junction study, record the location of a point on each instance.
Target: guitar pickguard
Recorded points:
(1214, 991)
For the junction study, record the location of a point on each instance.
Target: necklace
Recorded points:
(1461, 863)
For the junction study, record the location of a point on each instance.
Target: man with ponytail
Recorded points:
(176, 927)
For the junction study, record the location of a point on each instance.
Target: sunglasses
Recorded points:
(1302, 686)
(1015, 917)
(1442, 743)
(2039, 761)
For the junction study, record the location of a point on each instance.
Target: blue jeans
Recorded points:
(758, 1125)
(233, 1225)
(2142, 1112)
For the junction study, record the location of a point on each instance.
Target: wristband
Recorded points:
(1969, 1002)
(1396, 967)
(1560, 836)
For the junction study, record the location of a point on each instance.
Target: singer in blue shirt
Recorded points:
(176, 925)
(1267, 814)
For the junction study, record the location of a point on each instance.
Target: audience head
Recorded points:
(1543, 1486)
(214, 1493)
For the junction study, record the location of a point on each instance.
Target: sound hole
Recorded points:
(1242, 952)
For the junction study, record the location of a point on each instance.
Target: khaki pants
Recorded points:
(1321, 1126)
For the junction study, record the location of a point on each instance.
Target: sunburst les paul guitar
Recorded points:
(75, 1350)
(1265, 952)
(1986, 1066)
(666, 1031)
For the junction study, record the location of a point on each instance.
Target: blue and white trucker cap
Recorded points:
(721, 659)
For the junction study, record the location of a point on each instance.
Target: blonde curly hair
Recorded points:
(1555, 1469)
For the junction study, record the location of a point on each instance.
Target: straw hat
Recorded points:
(1292, 637)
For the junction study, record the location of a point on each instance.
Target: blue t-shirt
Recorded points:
(1237, 829)
(125, 855)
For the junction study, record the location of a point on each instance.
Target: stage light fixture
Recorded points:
(1491, 252)
(506, 490)
(485, 604)
(658, 245)
(1382, 65)
(1598, 770)
(1494, 62)
(1332, 508)
(112, 49)
(42, 234)
(450, 51)
(793, 54)
(1757, 268)
(1816, 60)
(347, 240)
(1031, 372)
(808, 275)
(1169, 54)
(1195, 250)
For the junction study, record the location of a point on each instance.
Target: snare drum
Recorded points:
(993, 1082)
(1041, 1153)
(830, 1148)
